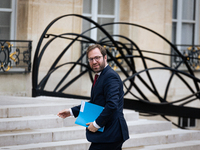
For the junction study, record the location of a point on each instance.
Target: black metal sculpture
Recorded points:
(123, 56)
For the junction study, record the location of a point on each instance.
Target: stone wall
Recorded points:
(32, 18)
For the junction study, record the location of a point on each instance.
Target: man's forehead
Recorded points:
(95, 51)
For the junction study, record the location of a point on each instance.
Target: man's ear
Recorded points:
(105, 57)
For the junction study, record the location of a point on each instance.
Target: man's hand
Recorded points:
(91, 127)
(64, 113)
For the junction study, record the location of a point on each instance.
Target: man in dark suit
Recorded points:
(107, 91)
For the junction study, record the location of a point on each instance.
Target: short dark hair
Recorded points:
(101, 48)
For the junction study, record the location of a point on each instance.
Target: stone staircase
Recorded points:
(32, 123)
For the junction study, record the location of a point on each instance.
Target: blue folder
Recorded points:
(88, 113)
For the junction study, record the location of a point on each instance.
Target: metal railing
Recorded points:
(192, 55)
(15, 56)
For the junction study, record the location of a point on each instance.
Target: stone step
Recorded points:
(72, 133)
(34, 122)
(163, 137)
(33, 109)
(27, 106)
(31, 123)
(22, 110)
(187, 145)
(147, 126)
(130, 115)
(80, 144)
(136, 140)
(46, 121)
(42, 135)
(15, 101)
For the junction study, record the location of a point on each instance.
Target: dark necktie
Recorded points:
(95, 79)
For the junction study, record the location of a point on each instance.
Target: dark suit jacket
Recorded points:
(108, 92)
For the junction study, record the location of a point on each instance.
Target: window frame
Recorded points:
(13, 21)
(94, 16)
(179, 23)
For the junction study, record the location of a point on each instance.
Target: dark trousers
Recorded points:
(106, 146)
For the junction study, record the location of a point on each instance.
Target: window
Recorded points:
(7, 19)
(185, 32)
(185, 22)
(101, 11)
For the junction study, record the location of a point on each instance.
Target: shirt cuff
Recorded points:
(70, 110)
(96, 125)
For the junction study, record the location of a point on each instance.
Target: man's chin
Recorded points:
(96, 70)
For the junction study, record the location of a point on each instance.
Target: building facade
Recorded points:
(176, 20)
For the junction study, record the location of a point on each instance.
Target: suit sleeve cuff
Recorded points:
(70, 110)
(96, 125)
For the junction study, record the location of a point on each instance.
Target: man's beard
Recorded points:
(101, 67)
